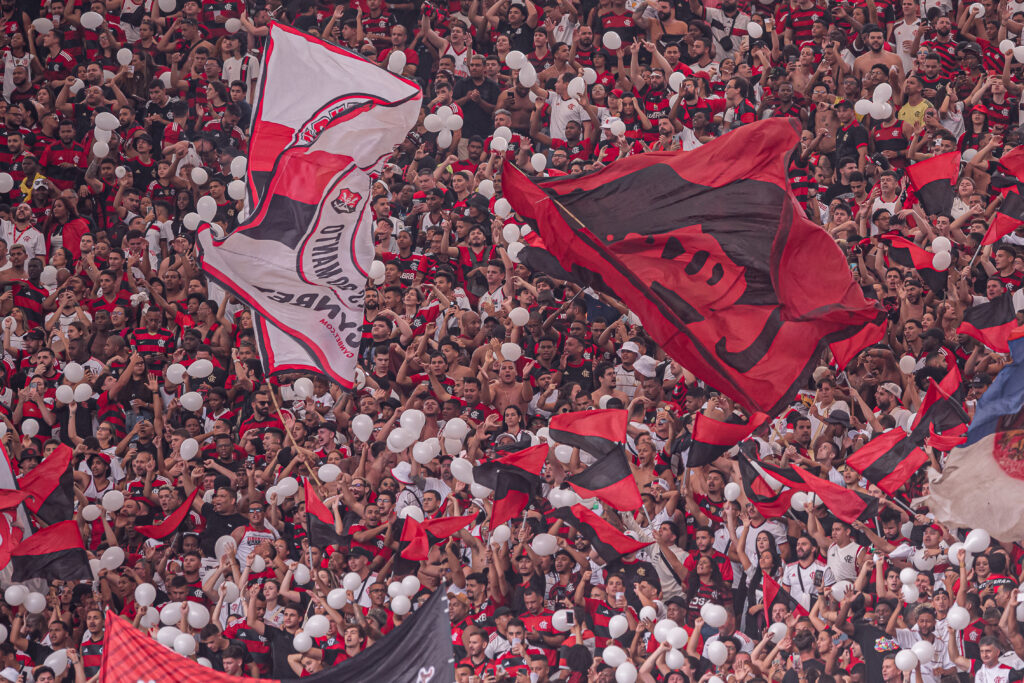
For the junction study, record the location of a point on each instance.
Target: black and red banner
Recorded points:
(56, 552)
(609, 479)
(50, 487)
(710, 249)
(767, 487)
(907, 254)
(888, 460)
(515, 479)
(417, 537)
(319, 520)
(775, 593)
(712, 438)
(934, 182)
(597, 432)
(609, 542)
(1008, 218)
(170, 525)
(991, 323)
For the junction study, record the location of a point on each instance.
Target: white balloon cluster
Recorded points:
(878, 106)
(444, 122)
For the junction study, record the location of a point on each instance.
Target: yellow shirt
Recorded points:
(914, 114)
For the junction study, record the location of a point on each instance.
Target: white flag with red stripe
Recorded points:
(325, 121)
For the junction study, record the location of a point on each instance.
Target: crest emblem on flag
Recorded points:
(1008, 447)
(346, 201)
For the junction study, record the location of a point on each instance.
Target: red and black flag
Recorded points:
(712, 438)
(50, 487)
(1008, 218)
(934, 181)
(991, 323)
(319, 520)
(844, 503)
(417, 537)
(538, 259)
(609, 542)
(170, 525)
(767, 487)
(939, 409)
(907, 254)
(515, 479)
(947, 440)
(56, 552)
(710, 249)
(609, 479)
(598, 432)
(888, 460)
(10, 537)
(775, 593)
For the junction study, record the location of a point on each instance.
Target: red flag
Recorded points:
(609, 542)
(948, 440)
(56, 552)
(842, 502)
(888, 460)
(933, 181)
(597, 432)
(10, 537)
(169, 525)
(712, 438)
(441, 528)
(515, 479)
(319, 520)
(414, 542)
(992, 322)
(773, 593)
(709, 248)
(909, 255)
(50, 487)
(611, 480)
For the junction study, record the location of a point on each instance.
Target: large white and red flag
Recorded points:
(325, 121)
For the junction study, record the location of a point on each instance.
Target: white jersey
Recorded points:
(799, 581)
(843, 561)
(252, 538)
(903, 36)
(461, 59)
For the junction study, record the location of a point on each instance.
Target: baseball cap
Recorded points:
(40, 183)
(609, 120)
(893, 389)
(839, 417)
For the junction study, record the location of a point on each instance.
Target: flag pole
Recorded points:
(288, 433)
(976, 252)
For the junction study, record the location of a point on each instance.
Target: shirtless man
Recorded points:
(506, 391)
(874, 38)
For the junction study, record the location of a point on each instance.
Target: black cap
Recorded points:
(838, 417)
(501, 611)
(981, 380)
(844, 104)
(360, 552)
(329, 424)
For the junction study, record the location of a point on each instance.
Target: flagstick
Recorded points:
(288, 432)
(976, 252)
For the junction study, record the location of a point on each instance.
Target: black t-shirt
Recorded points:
(476, 121)
(280, 648)
(810, 665)
(633, 573)
(217, 658)
(874, 645)
(217, 525)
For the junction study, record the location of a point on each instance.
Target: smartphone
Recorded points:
(570, 618)
(620, 596)
(819, 577)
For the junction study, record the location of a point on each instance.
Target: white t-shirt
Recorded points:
(774, 527)
(562, 112)
(800, 580)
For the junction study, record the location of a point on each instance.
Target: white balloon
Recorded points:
(502, 208)
(481, 491)
(185, 645)
(626, 673)
(454, 123)
(167, 5)
(515, 60)
(303, 387)
(288, 487)
(501, 534)
(677, 637)
(539, 163)
(462, 470)
(456, 428)
(91, 513)
(906, 660)
(908, 576)
(444, 139)
(862, 107)
(302, 642)
(189, 449)
(422, 453)
(65, 394)
(238, 166)
(337, 598)
(3, 633)
(528, 76)
(58, 661)
(176, 373)
(35, 603)
(376, 272)
(410, 585)
(42, 26)
(317, 626)
(560, 620)
(1018, 53)
(6, 182)
(754, 30)
(977, 541)
(191, 401)
(878, 111)
(576, 87)
(112, 557)
(224, 545)
(717, 654)
(200, 176)
(544, 544)
(514, 249)
(100, 149)
(778, 631)
(511, 351)
(362, 426)
(486, 186)
(170, 614)
(675, 660)
(924, 650)
(882, 93)
(519, 316)
(191, 220)
(15, 595)
(106, 121)
(124, 56)
(563, 453)
(113, 501)
(352, 582)
(233, 25)
(498, 144)
(676, 80)
(840, 588)
(258, 565)
(732, 491)
(411, 511)
(910, 594)
(77, 86)
(206, 207)
(907, 365)
(145, 594)
(396, 61)
(29, 427)
(617, 128)
(589, 76)
(648, 613)
(611, 40)
(1006, 47)
(82, 393)
(613, 655)
(453, 446)
(401, 605)
(714, 615)
(329, 472)
(941, 243)
(90, 20)
(236, 189)
(617, 625)
(954, 555)
(203, 661)
(958, 618)
(444, 111)
(942, 260)
(198, 615)
(977, 9)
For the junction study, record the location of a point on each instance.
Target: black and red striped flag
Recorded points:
(10, 536)
(939, 408)
(991, 323)
(709, 248)
(773, 593)
(888, 460)
(319, 520)
(609, 479)
(712, 438)
(767, 487)
(598, 432)
(934, 181)
(846, 504)
(947, 440)
(56, 552)
(170, 525)
(909, 255)
(50, 487)
(417, 537)
(515, 479)
(609, 542)
(1008, 217)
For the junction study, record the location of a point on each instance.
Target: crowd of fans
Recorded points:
(99, 274)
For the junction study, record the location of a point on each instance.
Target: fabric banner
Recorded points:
(419, 650)
(325, 121)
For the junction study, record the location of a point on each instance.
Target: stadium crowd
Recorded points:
(117, 346)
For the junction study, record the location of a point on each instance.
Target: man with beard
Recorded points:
(728, 25)
(741, 110)
(940, 664)
(874, 38)
(943, 44)
(561, 63)
(64, 160)
(851, 139)
(280, 638)
(653, 96)
(584, 53)
(808, 575)
(667, 30)
(22, 231)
